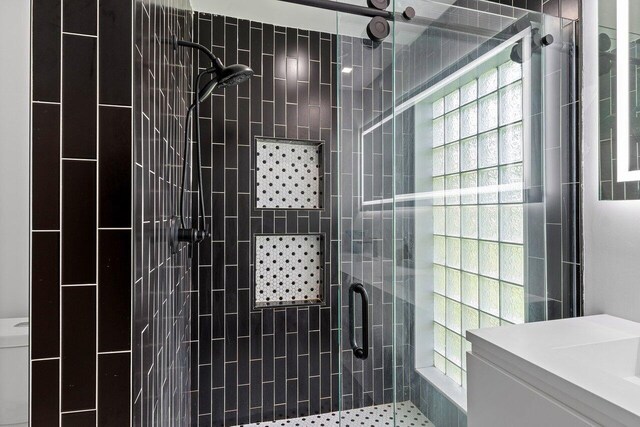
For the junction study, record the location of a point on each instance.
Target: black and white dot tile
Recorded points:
(288, 268)
(289, 174)
(407, 415)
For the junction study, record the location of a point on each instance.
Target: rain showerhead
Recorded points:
(234, 75)
(224, 77)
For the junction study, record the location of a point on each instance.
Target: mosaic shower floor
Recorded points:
(373, 416)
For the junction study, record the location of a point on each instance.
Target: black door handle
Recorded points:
(361, 352)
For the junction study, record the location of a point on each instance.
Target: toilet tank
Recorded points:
(14, 371)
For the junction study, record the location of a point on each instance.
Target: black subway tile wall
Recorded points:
(161, 281)
(81, 228)
(272, 363)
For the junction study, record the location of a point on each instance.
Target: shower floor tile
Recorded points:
(373, 416)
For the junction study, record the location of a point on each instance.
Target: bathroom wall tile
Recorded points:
(79, 94)
(114, 170)
(74, 239)
(45, 406)
(114, 290)
(261, 103)
(78, 222)
(78, 348)
(163, 299)
(79, 16)
(46, 18)
(115, 52)
(79, 419)
(45, 295)
(45, 157)
(114, 398)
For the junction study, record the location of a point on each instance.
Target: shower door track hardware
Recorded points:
(407, 16)
(378, 28)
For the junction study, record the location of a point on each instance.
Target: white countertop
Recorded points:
(537, 354)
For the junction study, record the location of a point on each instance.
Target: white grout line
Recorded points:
(79, 411)
(70, 159)
(60, 164)
(45, 102)
(69, 33)
(127, 107)
(77, 285)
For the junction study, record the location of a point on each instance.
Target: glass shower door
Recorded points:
(365, 157)
(453, 211)
(483, 201)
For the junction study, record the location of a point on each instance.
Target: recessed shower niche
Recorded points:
(288, 269)
(289, 174)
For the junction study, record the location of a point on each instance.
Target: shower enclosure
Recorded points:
(450, 138)
(428, 177)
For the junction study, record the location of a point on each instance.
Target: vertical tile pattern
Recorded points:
(81, 229)
(162, 281)
(273, 363)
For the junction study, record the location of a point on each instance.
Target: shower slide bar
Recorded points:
(408, 16)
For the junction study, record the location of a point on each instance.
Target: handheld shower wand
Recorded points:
(222, 77)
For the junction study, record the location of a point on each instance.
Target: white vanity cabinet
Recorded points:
(567, 373)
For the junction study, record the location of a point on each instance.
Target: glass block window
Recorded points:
(478, 216)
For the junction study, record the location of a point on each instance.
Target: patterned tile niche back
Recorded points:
(288, 269)
(289, 174)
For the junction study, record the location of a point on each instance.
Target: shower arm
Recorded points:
(217, 63)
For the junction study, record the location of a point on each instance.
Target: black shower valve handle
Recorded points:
(179, 235)
(192, 235)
